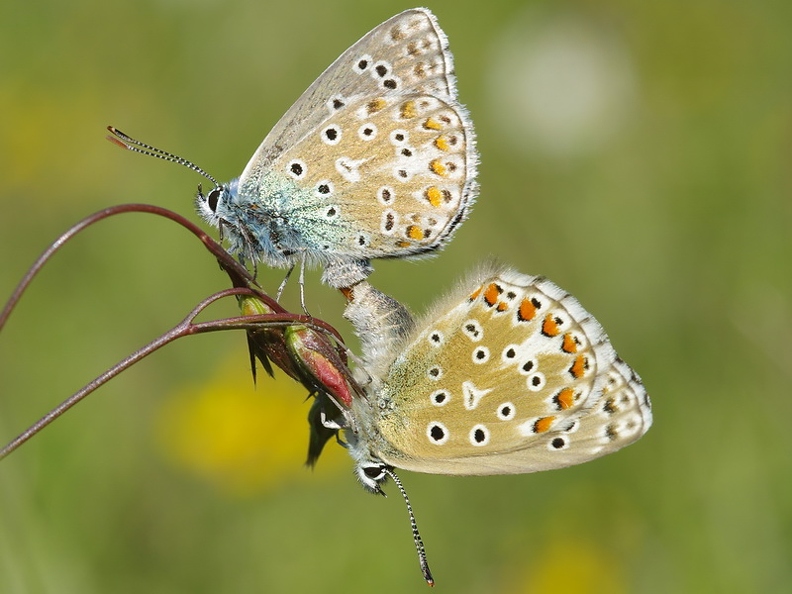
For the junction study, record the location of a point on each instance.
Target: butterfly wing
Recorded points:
(516, 377)
(379, 146)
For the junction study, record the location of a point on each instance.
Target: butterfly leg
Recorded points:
(301, 282)
(283, 285)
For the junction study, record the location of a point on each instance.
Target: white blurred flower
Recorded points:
(559, 84)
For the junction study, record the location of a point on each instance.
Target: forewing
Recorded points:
(407, 54)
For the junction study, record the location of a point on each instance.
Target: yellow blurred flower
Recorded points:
(242, 438)
(568, 565)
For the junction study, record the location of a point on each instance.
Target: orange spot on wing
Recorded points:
(527, 311)
(570, 344)
(502, 306)
(474, 295)
(434, 196)
(432, 124)
(403, 244)
(408, 110)
(565, 398)
(415, 232)
(492, 293)
(376, 105)
(543, 424)
(550, 326)
(436, 166)
(579, 367)
(441, 143)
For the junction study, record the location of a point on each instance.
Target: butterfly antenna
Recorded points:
(419, 545)
(124, 141)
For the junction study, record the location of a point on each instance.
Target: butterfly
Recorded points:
(509, 374)
(376, 159)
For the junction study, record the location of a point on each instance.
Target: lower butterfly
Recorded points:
(509, 374)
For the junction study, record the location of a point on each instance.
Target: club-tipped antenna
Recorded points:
(419, 545)
(132, 144)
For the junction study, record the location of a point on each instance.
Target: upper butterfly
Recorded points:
(376, 159)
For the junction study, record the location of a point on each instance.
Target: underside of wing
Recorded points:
(408, 54)
(517, 377)
(390, 177)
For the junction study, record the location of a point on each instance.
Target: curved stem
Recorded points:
(244, 284)
(240, 276)
(184, 328)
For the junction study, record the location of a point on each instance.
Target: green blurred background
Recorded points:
(637, 153)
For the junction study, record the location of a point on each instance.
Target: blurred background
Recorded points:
(636, 153)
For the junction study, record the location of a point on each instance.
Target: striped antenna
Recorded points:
(419, 545)
(127, 142)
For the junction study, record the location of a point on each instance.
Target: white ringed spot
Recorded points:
(437, 433)
(479, 435)
(440, 397)
(480, 355)
(506, 411)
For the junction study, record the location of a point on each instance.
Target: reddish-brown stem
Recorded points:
(184, 328)
(244, 284)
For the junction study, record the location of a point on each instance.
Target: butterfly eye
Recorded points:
(213, 198)
(375, 473)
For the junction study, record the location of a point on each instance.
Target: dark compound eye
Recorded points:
(373, 472)
(213, 198)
